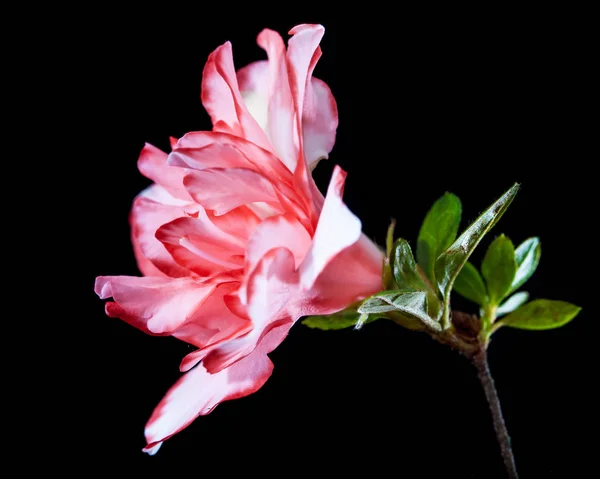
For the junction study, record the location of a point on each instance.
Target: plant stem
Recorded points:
(485, 377)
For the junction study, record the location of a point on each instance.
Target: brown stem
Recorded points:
(483, 372)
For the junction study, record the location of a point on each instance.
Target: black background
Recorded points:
(467, 102)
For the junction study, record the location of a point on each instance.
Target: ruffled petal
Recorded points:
(199, 246)
(222, 99)
(271, 290)
(222, 189)
(208, 149)
(352, 275)
(152, 163)
(211, 325)
(303, 52)
(319, 122)
(157, 306)
(198, 392)
(151, 209)
(337, 229)
(281, 109)
(276, 232)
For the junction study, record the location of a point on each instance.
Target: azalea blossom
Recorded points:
(234, 240)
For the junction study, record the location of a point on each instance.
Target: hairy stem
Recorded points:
(485, 377)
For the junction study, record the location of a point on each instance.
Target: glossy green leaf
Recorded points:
(412, 303)
(451, 261)
(527, 256)
(499, 268)
(341, 320)
(407, 276)
(438, 231)
(512, 303)
(541, 314)
(404, 267)
(469, 284)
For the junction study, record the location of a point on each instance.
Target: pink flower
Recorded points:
(234, 240)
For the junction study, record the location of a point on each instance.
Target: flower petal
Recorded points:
(281, 108)
(271, 289)
(223, 189)
(275, 232)
(352, 275)
(253, 80)
(303, 52)
(198, 392)
(199, 246)
(152, 163)
(211, 325)
(252, 156)
(338, 228)
(151, 209)
(319, 122)
(222, 99)
(157, 306)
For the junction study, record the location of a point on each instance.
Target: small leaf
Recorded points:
(499, 268)
(512, 303)
(469, 284)
(438, 231)
(527, 256)
(451, 261)
(341, 320)
(407, 276)
(386, 273)
(541, 314)
(389, 239)
(404, 267)
(413, 303)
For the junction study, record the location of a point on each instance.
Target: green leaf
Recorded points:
(341, 320)
(412, 303)
(451, 261)
(469, 284)
(512, 303)
(499, 268)
(386, 274)
(407, 276)
(527, 256)
(541, 314)
(438, 231)
(389, 239)
(404, 267)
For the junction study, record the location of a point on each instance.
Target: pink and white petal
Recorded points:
(281, 109)
(152, 163)
(303, 50)
(319, 122)
(253, 80)
(198, 392)
(222, 189)
(214, 155)
(222, 99)
(270, 293)
(146, 217)
(157, 306)
(213, 324)
(145, 266)
(352, 275)
(257, 158)
(240, 222)
(252, 156)
(199, 246)
(337, 229)
(276, 232)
